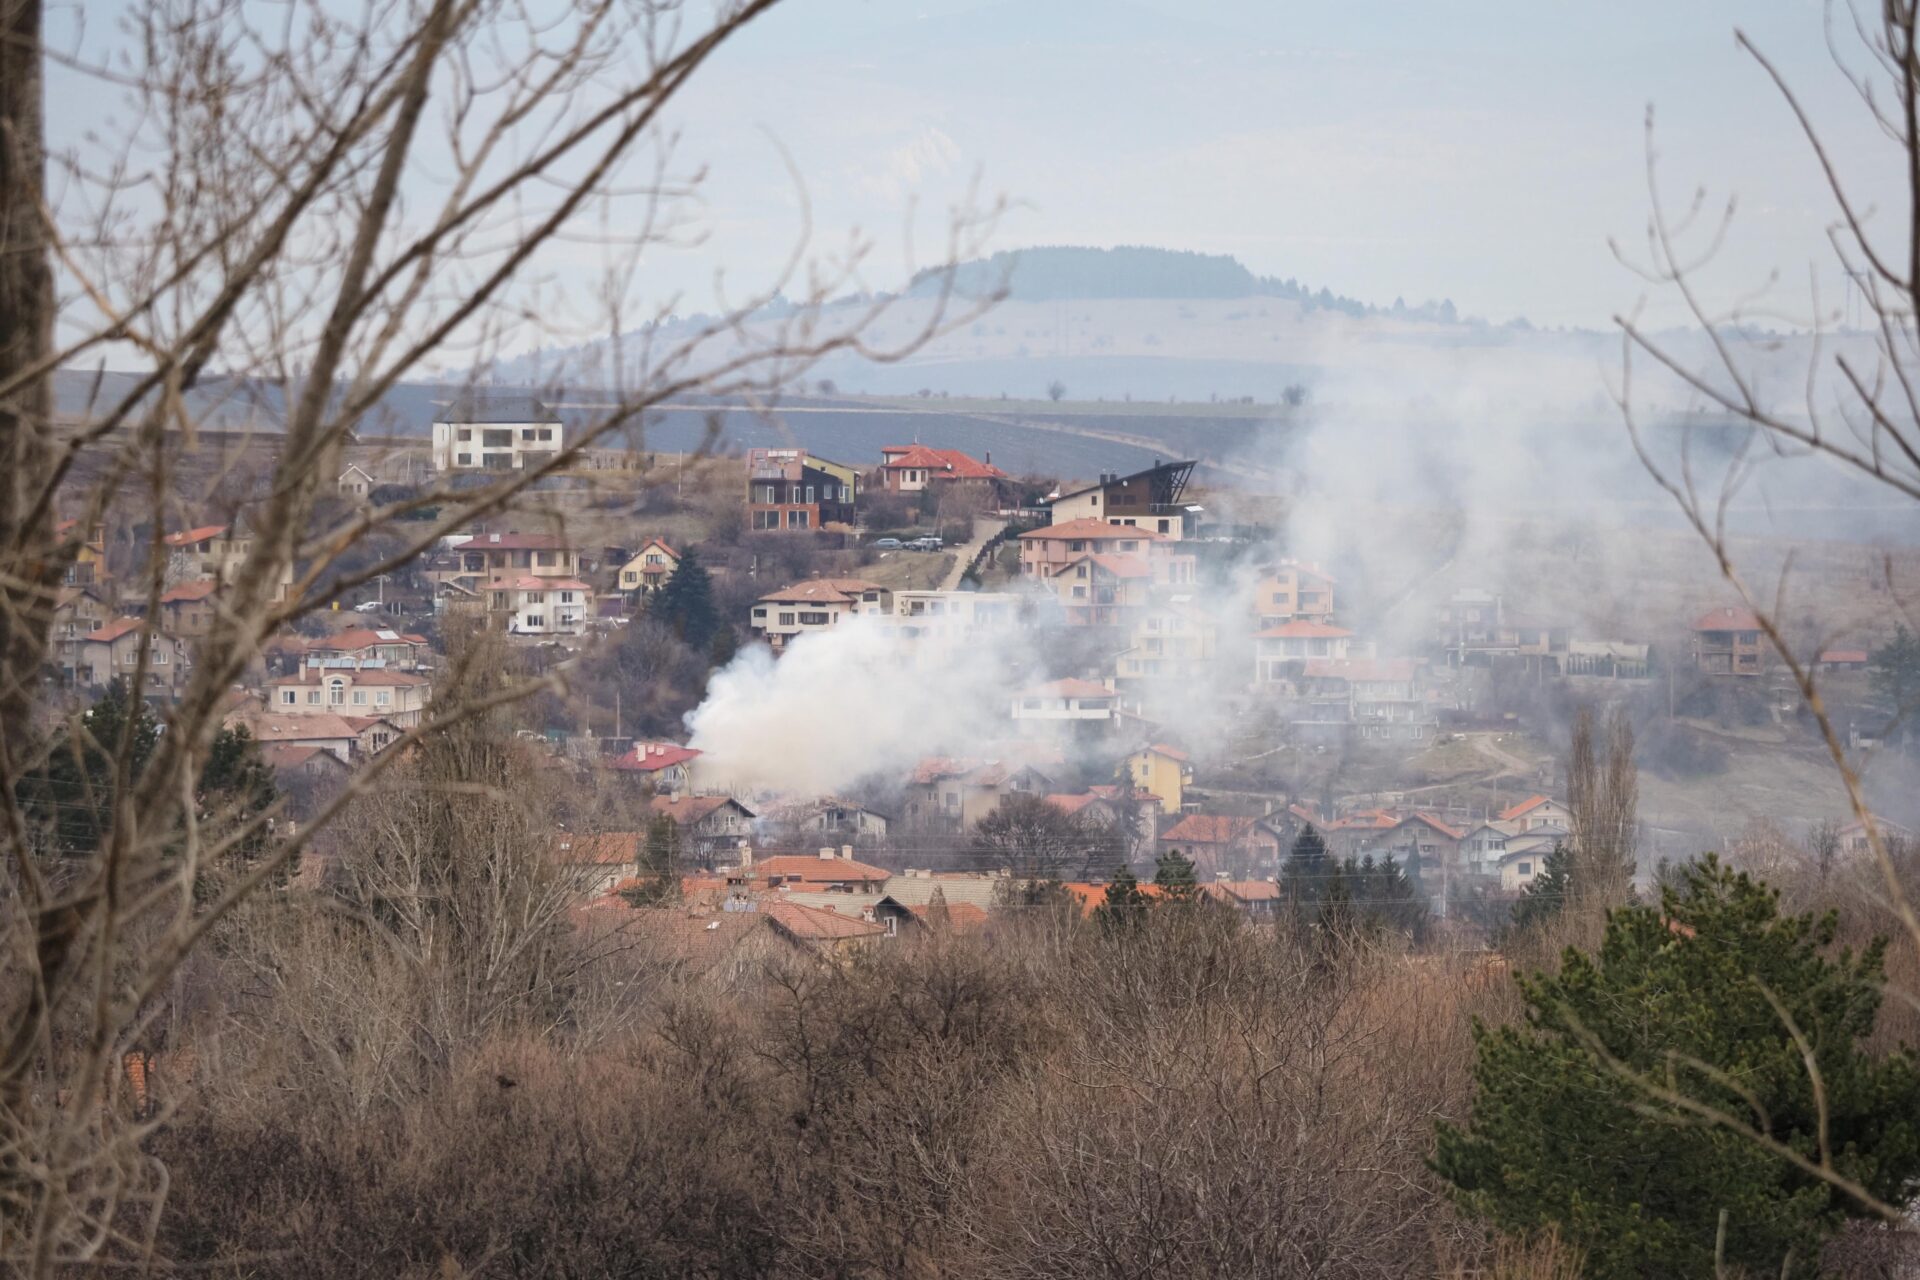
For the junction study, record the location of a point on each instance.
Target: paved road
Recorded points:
(985, 528)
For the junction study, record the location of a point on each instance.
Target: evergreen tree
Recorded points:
(1894, 669)
(236, 786)
(1124, 903)
(1308, 864)
(659, 865)
(1546, 897)
(71, 799)
(1173, 873)
(685, 604)
(1396, 901)
(1559, 1136)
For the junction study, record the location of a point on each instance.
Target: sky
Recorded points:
(1477, 150)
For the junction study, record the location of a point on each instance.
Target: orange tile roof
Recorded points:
(1727, 620)
(816, 870)
(1120, 566)
(1450, 832)
(191, 536)
(1090, 528)
(1073, 804)
(1207, 828)
(945, 464)
(1365, 820)
(1243, 890)
(1091, 896)
(531, 582)
(114, 630)
(1844, 655)
(651, 757)
(1169, 751)
(687, 810)
(815, 924)
(362, 638)
(604, 849)
(823, 591)
(189, 592)
(1524, 807)
(962, 917)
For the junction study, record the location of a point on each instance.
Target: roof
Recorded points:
(1844, 655)
(370, 676)
(1167, 750)
(291, 755)
(1399, 670)
(362, 638)
(1069, 688)
(651, 757)
(1074, 804)
(651, 543)
(824, 591)
(815, 924)
(916, 889)
(189, 592)
(528, 582)
(113, 630)
(1243, 890)
(1304, 567)
(1727, 620)
(474, 410)
(816, 870)
(1114, 480)
(946, 464)
(1207, 828)
(513, 540)
(1300, 628)
(1428, 820)
(604, 849)
(282, 726)
(962, 917)
(1117, 565)
(190, 536)
(1365, 820)
(1524, 807)
(1089, 527)
(1091, 896)
(688, 810)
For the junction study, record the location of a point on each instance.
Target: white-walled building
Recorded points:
(534, 606)
(508, 433)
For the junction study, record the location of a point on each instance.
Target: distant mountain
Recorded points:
(1056, 273)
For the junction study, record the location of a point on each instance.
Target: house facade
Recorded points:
(647, 570)
(509, 433)
(1239, 848)
(952, 794)
(1279, 652)
(666, 767)
(791, 491)
(1149, 500)
(710, 826)
(78, 612)
(816, 605)
(1729, 642)
(1164, 772)
(114, 650)
(1293, 590)
(531, 606)
(343, 687)
(913, 468)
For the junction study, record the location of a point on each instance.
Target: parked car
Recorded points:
(887, 544)
(925, 544)
(368, 606)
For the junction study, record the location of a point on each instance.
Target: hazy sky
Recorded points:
(1470, 149)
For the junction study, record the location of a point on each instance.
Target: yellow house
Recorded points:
(1293, 591)
(1163, 772)
(649, 569)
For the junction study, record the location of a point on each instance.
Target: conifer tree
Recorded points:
(685, 604)
(1547, 895)
(659, 864)
(1124, 903)
(1173, 873)
(1716, 997)
(1308, 863)
(71, 798)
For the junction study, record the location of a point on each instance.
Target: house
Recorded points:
(954, 616)
(709, 826)
(187, 609)
(372, 734)
(1355, 835)
(1381, 698)
(1469, 622)
(1728, 642)
(1065, 703)
(1853, 836)
(321, 731)
(1476, 629)
(474, 560)
(1278, 649)
(1519, 868)
(824, 931)
(1535, 842)
(1482, 847)
(912, 468)
(595, 863)
(952, 794)
(495, 433)
(210, 551)
(1099, 590)
(534, 606)
(1615, 659)
(1535, 811)
(88, 567)
(815, 605)
(931, 917)
(1045, 552)
(355, 483)
(1423, 843)
(308, 764)
(77, 613)
(1294, 590)
(1844, 659)
(1173, 641)
(832, 816)
(647, 570)
(1163, 772)
(394, 650)
(345, 687)
(1147, 500)
(981, 891)
(790, 490)
(1239, 847)
(114, 650)
(1258, 900)
(667, 767)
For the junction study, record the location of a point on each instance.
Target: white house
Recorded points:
(815, 605)
(1296, 641)
(1065, 701)
(534, 606)
(345, 687)
(507, 433)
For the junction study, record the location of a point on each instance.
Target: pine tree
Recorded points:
(1565, 1133)
(685, 604)
(236, 786)
(1173, 873)
(72, 797)
(1124, 902)
(1308, 864)
(1547, 896)
(659, 867)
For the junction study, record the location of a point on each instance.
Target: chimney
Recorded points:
(746, 856)
(826, 855)
(989, 458)
(846, 852)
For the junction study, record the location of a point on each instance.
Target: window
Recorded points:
(543, 558)
(1164, 524)
(1525, 868)
(526, 433)
(786, 619)
(760, 612)
(796, 519)
(463, 460)
(132, 658)
(313, 697)
(382, 697)
(359, 697)
(1079, 593)
(466, 434)
(654, 557)
(288, 697)
(496, 439)
(1076, 546)
(566, 597)
(536, 620)
(1030, 704)
(336, 692)
(630, 578)
(815, 619)
(160, 657)
(846, 493)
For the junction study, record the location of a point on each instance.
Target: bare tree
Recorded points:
(303, 208)
(1603, 794)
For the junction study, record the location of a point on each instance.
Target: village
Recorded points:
(1162, 681)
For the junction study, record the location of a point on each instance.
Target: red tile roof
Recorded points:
(815, 924)
(1427, 819)
(1727, 620)
(605, 849)
(114, 630)
(1853, 656)
(688, 810)
(1365, 820)
(369, 676)
(531, 582)
(1300, 628)
(651, 757)
(1118, 566)
(1524, 807)
(823, 591)
(289, 755)
(189, 592)
(1073, 804)
(1169, 751)
(1069, 688)
(1089, 528)
(962, 917)
(1207, 828)
(361, 638)
(191, 536)
(1092, 896)
(944, 464)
